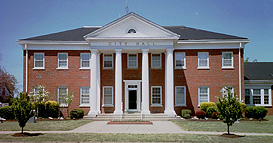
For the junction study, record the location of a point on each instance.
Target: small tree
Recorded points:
(23, 109)
(39, 97)
(229, 109)
(65, 100)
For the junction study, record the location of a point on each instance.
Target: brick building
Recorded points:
(135, 65)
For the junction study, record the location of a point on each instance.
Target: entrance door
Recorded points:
(132, 99)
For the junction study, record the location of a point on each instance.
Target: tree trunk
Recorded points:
(67, 111)
(228, 129)
(22, 130)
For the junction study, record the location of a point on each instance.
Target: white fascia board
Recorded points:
(207, 46)
(58, 47)
(259, 82)
(132, 38)
(22, 42)
(214, 41)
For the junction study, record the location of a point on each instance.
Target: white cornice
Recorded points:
(213, 41)
(21, 42)
(258, 81)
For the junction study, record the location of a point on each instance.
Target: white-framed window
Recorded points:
(36, 90)
(225, 91)
(84, 96)
(203, 60)
(132, 61)
(62, 91)
(227, 59)
(39, 60)
(85, 60)
(180, 95)
(107, 61)
(62, 60)
(108, 96)
(258, 96)
(203, 94)
(156, 95)
(156, 60)
(180, 60)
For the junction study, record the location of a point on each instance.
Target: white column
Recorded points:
(118, 83)
(93, 83)
(169, 97)
(98, 83)
(27, 67)
(145, 82)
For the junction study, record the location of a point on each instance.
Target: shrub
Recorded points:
(214, 115)
(200, 114)
(249, 112)
(260, 112)
(76, 113)
(210, 110)
(205, 105)
(7, 112)
(243, 105)
(41, 110)
(52, 108)
(186, 113)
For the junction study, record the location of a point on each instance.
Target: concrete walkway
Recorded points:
(158, 127)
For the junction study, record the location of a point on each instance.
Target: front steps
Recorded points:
(132, 116)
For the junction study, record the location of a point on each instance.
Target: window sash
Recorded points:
(62, 91)
(203, 93)
(180, 60)
(85, 95)
(38, 60)
(156, 94)
(108, 95)
(203, 59)
(107, 60)
(156, 61)
(180, 95)
(132, 60)
(85, 60)
(227, 59)
(62, 60)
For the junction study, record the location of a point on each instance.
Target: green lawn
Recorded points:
(219, 126)
(84, 137)
(63, 125)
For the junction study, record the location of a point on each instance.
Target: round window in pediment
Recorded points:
(132, 31)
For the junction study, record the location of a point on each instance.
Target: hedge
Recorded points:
(186, 113)
(52, 109)
(255, 112)
(200, 114)
(205, 105)
(210, 110)
(76, 113)
(7, 112)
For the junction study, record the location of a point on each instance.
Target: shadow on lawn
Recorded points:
(26, 134)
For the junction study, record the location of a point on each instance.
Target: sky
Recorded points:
(20, 19)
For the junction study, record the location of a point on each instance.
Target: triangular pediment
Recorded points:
(139, 27)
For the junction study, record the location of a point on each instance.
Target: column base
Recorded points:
(118, 112)
(92, 114)
(170, 113)
(145, 112)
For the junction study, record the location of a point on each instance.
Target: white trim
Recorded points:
(87, 104)
(199, 93)
(85, 60)
(264, 82)
(26, 68)
(58, 96)
(138, 89)
(132, 67)
(107, 105)
(203, 67)
(240, 77)
(157, 67)
(152, 104)
(63, 60)
(227, 67)
(39, 60)
(176, 104)
(111, 60)
(21, 42)
(261, 87)
(214, 41)
(179, 67)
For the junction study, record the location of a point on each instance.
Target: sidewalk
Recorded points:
(158, 127)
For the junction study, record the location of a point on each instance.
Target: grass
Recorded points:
(219, 126)
(63, 125)
(84, 137)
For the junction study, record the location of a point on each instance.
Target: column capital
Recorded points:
(94, 50)
(118, 50)
(169, 50)
(145, 50)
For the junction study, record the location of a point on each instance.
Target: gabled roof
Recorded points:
(258, 71)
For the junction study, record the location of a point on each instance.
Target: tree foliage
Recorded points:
(66, 100)
(39, 97)
(7, 86)
(229, 109)
(23, 109)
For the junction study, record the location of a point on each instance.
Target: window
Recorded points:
(132, 61)
(108, 60)
(108, 96)
(247, 96)
(39, 61)
(225, 91)
(180, 60)
(62, 91)
(227, 60)
(256, 96)
(203, 60)
(132, 31)
(180, 95)
(85, 60)
(203, 93)
(84, 95)
(156, 95)
(62, 60)
(156, 61)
